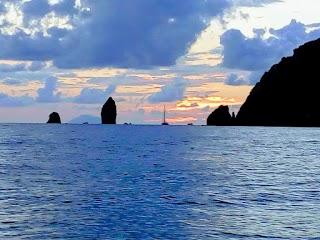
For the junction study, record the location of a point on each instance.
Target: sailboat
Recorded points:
(164, 116)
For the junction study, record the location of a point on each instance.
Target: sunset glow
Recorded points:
(58, 59)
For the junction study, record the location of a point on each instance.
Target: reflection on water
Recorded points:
(151, 182)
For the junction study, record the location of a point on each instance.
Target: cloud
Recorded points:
(11, 68)
(5, 68)
(35, 9)
(254, 3)
(252, 78)
(120, 99)
(190, 105)
(235, 80)
(94, 96)
(126, 34)
(170, 93)
(48, 93)
(36, 66)
(206, 109)
(12, 82)
(9, 101)
(259, 53)
(66, 75)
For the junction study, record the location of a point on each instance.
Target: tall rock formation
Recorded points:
(109, 112)
(221, 117)
(54, 118)
(287, 95)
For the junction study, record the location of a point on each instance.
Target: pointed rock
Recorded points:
(109, 112)
(54, 118)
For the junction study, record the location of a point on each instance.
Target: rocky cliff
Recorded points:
(221, 117)
(54, 118)
(287, 94)
(109, 112)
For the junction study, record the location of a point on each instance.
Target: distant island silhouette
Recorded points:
(287, 95)
(86, 118)
(54, 118)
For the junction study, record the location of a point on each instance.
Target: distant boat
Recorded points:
(190, 124)
(164, 116)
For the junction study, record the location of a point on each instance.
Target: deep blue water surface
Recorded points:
(158, 182)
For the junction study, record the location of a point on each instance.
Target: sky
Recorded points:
(191, 56)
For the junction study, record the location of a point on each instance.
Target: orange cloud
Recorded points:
(103, 72)
(175, 120)
(204, 59)
(191, 103)
(182, 119)
(153, 77)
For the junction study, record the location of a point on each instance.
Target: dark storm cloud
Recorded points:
(126, 33)
(22, 46)
(137, 34)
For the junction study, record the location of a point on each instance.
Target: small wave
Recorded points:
(250, 235)
(224, 202)
(312, 141)
(188, 203)
(8, 222)
(167, 197)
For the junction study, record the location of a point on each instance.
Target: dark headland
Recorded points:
(54, 118)
(287, 95)
(109, 112)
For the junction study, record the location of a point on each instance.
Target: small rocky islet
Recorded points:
(54, 118)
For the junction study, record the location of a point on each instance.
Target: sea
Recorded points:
(158, 182)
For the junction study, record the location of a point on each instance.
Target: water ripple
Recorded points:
(150, 182)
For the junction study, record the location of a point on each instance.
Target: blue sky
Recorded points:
(69, 56)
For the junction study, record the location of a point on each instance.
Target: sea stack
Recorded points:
(54, 118)
(220, 117)
(109, 112)
(288, 94)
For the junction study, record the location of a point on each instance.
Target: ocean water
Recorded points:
(158, 182)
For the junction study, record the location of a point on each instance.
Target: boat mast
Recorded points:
(164, 113)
